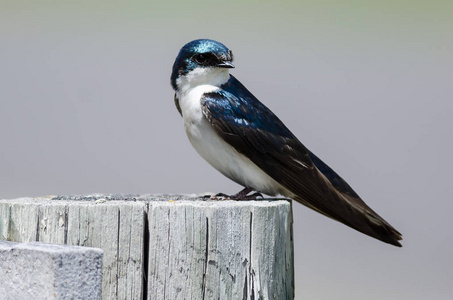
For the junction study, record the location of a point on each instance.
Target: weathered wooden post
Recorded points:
(168, 246)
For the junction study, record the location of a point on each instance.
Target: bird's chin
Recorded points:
(203, 76)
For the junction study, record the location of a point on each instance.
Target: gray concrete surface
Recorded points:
(48, 271)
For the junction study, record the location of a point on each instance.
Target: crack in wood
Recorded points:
(37, 226)
(145, 263)
(205, 259)
(66, 209)
(251, 271)
(118, 252)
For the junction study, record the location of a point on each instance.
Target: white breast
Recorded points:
(215, 150)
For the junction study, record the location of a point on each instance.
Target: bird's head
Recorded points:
(201, 62)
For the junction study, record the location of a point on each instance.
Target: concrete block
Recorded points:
(48, 271)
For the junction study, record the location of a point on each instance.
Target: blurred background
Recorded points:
(86, 106)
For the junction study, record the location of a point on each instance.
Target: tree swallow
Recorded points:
(240, 137)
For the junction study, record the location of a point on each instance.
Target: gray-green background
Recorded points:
(86, 106)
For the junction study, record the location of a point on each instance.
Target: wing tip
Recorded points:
(392, 241)
(392, 237)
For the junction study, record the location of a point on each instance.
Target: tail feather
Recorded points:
(370, 224)
(353, 212)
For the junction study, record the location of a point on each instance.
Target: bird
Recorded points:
(245, 141)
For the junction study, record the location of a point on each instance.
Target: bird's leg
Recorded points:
(242, 195)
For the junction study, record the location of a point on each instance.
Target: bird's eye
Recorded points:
(202, 59)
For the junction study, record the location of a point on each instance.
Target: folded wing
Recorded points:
(253, 130)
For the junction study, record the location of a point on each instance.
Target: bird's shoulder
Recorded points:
(234, 104)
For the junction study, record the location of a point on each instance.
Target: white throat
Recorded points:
(201, 76)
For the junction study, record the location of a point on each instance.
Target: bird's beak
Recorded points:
(225, 64)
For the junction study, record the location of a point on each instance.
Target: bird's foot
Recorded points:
(242, 195)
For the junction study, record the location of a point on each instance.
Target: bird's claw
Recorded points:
(242, 195)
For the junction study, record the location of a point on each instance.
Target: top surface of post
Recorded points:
(195, 199)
